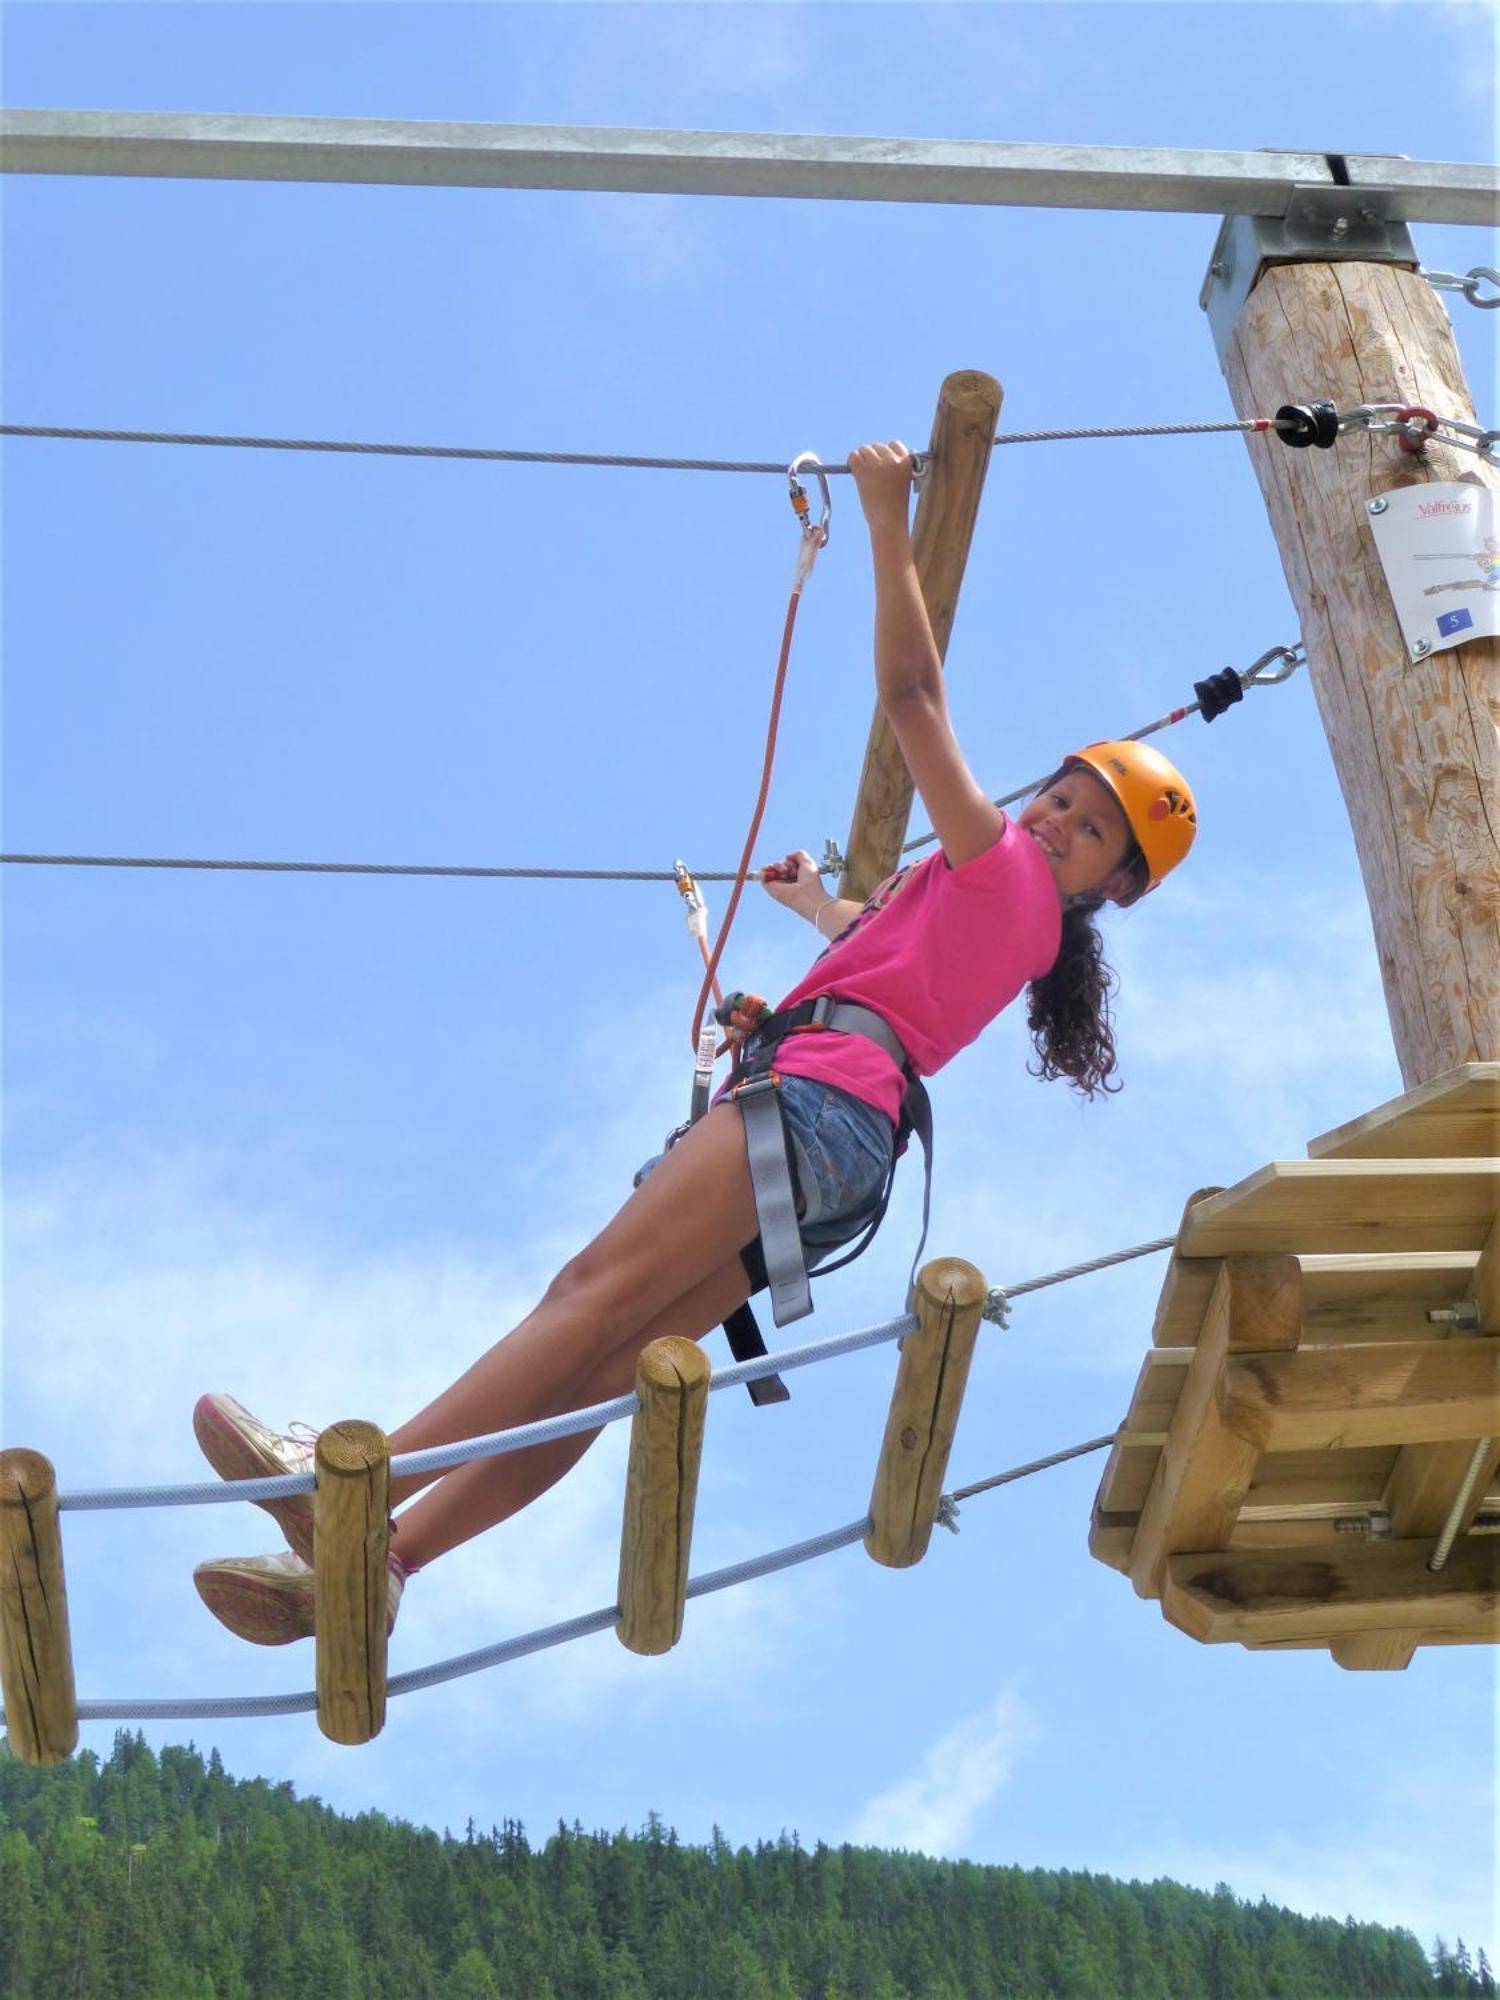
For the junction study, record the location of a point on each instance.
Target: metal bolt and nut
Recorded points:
(1421, 649)
(1378, 506)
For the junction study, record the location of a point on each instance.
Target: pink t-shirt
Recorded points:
(937, 952)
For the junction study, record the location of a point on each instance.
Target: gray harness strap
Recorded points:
(775, 1201)
(770, 1171)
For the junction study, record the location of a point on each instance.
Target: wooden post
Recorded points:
(1205, 1470)
(661, 1489)
(1416, 744)
(351, 1540)
(963, 438)
(925, 1403)
(36, 1657)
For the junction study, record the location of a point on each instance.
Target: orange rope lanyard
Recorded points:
(813, 538)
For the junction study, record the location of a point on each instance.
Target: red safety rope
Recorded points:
(742, 872)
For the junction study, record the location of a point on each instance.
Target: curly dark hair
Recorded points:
(1068, 1008)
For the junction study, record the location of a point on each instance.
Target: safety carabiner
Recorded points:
(808, 461)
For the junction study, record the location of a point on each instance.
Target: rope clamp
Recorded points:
(947, 1513)
(1291, 657)
(997, 1307)
(833, 862)
(808, 461)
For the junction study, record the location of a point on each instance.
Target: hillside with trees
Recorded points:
(159, 1877)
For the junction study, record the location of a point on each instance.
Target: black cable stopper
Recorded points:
(1220, 691)
(1303, 424)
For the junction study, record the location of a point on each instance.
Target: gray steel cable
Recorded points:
(627, 461)
(442, 1458)
(1254, 676)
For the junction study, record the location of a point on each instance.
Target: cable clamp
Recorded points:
(1469, 284)
(921, 468)
(947, 1513)
(997, 1307)
(833, 862)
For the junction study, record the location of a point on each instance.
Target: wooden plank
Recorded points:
(36, 1654)
(1364, 1587)
(1205, 1470)
(1346, 1481)
(1426, 1478)
(1328, 1640)
(1455, 1116)
(963, 436)
(661, 1490)
(1112, 1537)
(1381, 1297)
(1154, 1398)
(1392, 1393)
(1376, 1652)
(1186, 1288)
(1331, 1205)
(925, 1405)
(1128, 1473)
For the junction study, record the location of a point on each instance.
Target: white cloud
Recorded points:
(935, 1809)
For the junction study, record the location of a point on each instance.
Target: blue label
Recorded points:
(1454, 621)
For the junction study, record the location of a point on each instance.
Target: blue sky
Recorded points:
(317, 1141)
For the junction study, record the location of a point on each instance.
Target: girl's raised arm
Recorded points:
(908, 672)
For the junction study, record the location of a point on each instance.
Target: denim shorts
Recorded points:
(841, 1156)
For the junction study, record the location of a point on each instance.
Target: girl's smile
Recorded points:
(1081, 830)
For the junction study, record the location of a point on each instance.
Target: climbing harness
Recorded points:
(777, 1260)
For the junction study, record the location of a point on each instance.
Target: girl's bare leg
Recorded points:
(681, 1230)
(473, 1497)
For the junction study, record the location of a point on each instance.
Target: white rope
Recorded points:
(442, 1458)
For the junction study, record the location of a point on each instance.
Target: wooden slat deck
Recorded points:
(1299, 1427)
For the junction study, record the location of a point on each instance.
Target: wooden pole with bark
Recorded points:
(1416, 744)
(963, 438)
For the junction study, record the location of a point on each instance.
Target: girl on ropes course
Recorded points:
(906, 980)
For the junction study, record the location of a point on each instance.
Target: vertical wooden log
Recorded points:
(36, 1655)
(963, 438)
(929, 1392)
(351, 1529)
(661, 1489)
(1416, 744)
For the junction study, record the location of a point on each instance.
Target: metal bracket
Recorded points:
(1321, 224)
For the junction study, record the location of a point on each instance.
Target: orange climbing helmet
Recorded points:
(1155, 798)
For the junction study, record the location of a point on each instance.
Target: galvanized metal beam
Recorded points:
(211, 147)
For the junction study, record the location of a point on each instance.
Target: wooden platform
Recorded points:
(1301, 1428)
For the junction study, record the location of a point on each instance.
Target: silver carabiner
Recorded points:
(1291, 657)
(808, 461)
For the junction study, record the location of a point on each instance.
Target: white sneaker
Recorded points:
(269, 1599)
(239, 1446)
